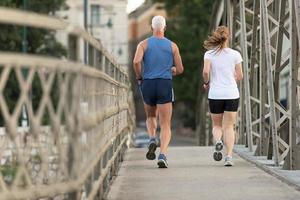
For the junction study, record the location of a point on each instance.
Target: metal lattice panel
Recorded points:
(267, 34)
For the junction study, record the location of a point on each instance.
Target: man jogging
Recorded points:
(157, 55)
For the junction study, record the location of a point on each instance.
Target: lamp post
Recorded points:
(24, 117)
(24, 36)
(85, 21)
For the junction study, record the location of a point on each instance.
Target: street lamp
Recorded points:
(109, 25)
(24, 36)
(24, 116)
(85, 12)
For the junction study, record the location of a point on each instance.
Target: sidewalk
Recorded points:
(194, 175)
(290, 177)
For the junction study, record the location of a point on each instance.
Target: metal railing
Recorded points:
(267, 34)
(78, 126)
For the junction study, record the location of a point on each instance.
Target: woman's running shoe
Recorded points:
(228, 161)
(217, 153)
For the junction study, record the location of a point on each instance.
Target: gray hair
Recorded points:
(158, 23)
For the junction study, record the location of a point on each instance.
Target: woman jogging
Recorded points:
(222, 69)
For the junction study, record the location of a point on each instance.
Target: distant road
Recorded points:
(176, 140)
(179, 140)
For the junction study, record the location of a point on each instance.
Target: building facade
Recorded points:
(106, 21)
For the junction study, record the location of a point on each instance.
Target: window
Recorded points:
(95, 15)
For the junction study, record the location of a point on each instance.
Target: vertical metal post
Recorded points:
(234, 22)
(85, 20)
(262, 91)
(246, 75)
(262, 94)
(266, 39)
(279, 47)
(254, 80)
(294, 160)
(224, 17)
(229, 16)
(253, 60)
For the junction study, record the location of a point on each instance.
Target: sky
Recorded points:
(133, 4)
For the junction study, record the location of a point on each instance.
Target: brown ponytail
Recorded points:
(217, 39)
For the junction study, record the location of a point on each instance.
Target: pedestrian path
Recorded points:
(194, 175)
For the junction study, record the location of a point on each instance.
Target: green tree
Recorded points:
(188, 26)
(39, 41)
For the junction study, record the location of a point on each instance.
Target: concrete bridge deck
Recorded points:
(193, 174)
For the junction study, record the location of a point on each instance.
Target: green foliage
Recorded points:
(39, 41)
(38, 6)
(8, 172)
(188, 26)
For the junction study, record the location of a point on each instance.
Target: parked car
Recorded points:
(140, 138)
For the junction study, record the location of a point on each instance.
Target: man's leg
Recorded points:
(151, 121)
(165, 115)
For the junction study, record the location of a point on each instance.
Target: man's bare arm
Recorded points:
(137, 61)
(177, 59)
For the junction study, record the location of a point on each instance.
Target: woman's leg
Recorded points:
(217, 126)
(229, 133)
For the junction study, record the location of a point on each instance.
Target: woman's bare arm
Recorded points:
(206, 70)
(239, 72)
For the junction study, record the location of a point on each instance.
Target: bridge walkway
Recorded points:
(193, 174)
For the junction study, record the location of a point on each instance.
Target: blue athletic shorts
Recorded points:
(157, 91)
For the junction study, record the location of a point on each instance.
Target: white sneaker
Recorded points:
(228, 161)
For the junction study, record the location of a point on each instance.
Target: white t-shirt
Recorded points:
(222, 74)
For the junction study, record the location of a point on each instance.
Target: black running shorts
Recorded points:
(218, 106)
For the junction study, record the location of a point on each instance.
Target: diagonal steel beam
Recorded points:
(246, 75)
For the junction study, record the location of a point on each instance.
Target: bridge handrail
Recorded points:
(80, 116)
